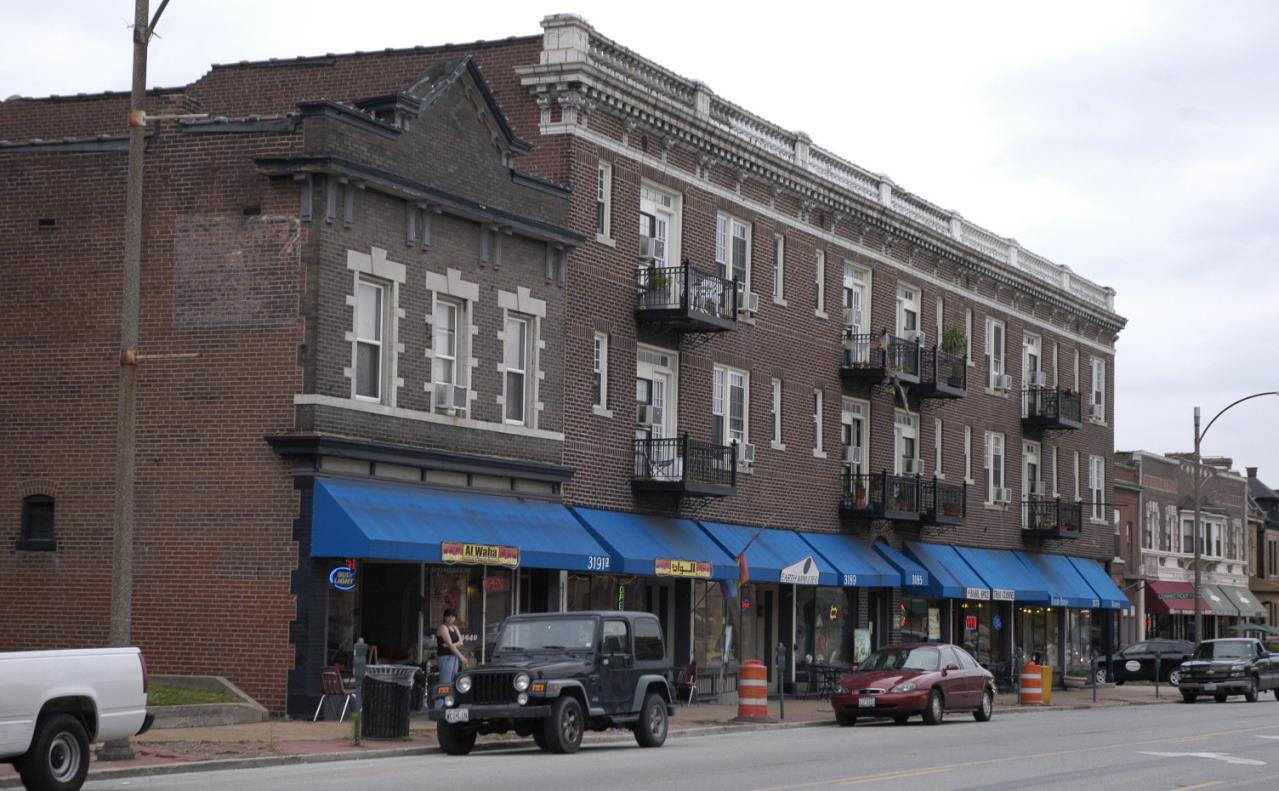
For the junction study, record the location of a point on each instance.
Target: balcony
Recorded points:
(1051, 408)
(943, 503)
(685, 467)
(685, 299)
(882, 496)
(943, 375)
(1051, 517)
(874, 358)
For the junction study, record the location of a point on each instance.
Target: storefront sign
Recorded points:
(999, 594)
(861, 644)
(667, 567)
(998, 623)
(979, 594)
(1057, 601)
(805, 572)
(970, 623)
(1164, 595)
(343, 578)
(475, 554)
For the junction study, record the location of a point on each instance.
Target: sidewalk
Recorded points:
(281, 741)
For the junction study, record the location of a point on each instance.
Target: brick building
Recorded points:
(1263, 544)
(736, 342)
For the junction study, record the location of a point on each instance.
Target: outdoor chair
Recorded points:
(331, 684)
(686, 679)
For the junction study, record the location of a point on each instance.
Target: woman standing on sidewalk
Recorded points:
(448, 650)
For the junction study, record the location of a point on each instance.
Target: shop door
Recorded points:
(877, 614)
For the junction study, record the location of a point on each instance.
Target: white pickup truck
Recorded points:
(54, 703)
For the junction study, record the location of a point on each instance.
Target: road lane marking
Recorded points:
(1266, 736)
(902, 775)
(1201, 785)
(1230, 759)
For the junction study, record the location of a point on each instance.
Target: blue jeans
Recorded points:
(449, 665)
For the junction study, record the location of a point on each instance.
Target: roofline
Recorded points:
(331, 58)
(77, 97)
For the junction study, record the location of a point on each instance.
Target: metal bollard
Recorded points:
(361, 660)
(781, 680)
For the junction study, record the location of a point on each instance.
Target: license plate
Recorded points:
(457, 715)
(1209, 687)
(866, 703)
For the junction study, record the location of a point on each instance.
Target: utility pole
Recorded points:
(1199, 617)
(122, 541)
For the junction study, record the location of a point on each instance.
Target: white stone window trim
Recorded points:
(601, 409)
(453, 286)
(819, 285)
(370, 408)
(779, 270)
(778, 401)
(819, 409)
(604, 173)
(524, 306)
(375, 265)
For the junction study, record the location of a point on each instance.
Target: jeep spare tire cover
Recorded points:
(1132, 666)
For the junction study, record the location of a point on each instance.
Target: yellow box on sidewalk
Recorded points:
(1047, 672)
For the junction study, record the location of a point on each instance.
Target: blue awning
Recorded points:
(1067, 587)
(915, 578)
(1008, 578)
(657, 545)
(1101, 583)
(952, 577)
(388, 521)
(773, 555)
(853, 561)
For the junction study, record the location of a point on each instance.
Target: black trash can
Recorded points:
(388, 697)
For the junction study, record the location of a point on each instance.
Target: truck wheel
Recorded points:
(1250, 694)
(650, 731)
(59, 756)
(563, 729)
(455, 739)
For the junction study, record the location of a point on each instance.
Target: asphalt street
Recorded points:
(1232, 745)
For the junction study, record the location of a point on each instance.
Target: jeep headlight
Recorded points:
(522, 681)
(463, 684)
(905, 686)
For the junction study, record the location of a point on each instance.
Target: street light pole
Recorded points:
(1197, 527)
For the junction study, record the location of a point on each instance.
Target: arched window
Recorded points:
(37, 524)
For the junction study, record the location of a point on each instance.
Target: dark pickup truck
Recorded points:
(1231, 666)
(554, 676)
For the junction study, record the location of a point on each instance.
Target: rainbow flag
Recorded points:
(743, 570)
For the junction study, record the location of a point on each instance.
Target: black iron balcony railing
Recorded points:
(684, 466)
(883, 495)
(944, 503)
(874, 357)
(943, 375)
(1051, 408)
(685, 297)
(1051, 517)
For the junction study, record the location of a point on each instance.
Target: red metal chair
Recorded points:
(686, 679)
(331, 683)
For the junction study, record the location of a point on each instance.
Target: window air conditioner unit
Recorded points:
(752, 303)
(644, 414)
(1096, 412)
(747, 453)
(848, 317)
(1004, 495)
(1005, 382)
(1036, 379)
(852, 454)
(444, 396)
(1036, 488)
(647, 248)
(917, 336)
(913, 466)
(461, 397)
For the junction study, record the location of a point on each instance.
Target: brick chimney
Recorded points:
(1252, 472)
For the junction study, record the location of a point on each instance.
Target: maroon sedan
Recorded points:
(899, 681)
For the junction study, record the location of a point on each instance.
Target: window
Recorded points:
(1076, 466)
(937, 432)
(515, 357)
(820, 279)
(994, 464)
(599, 372)
(444, 368)
(855, 420)
(994, 352)
(659, 221)
(648, 640)
(1032, 358)
(968, 335)
(905, 443)
(777, 415)
(1096, 487)
(968, 454)
(369, 329)
(656, 393)
(856, 303)
(1098, 388)
(779, 268)
(1188, 535)
(1056, 378)
(603, 200)
(817, 423)
(37, 524)
(733, 249)
(615, 638)
(1056, 492)
(1171, 539)
(1152, 524)
(1075, 387)
(941, 310)
(907, 312)
(730, 406)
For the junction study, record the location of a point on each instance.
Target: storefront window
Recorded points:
(499, 600)
(980, 638)
(824, 627)
(1037, 634)
(921, 619)
(605, 592)
(712, 632)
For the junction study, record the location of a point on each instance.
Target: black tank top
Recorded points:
(439, 641)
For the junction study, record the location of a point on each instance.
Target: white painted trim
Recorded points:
(763, 210)
(371, 408)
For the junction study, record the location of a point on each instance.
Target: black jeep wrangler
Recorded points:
(554, 675)
(1229, 666)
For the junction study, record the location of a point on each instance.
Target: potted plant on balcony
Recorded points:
(951, 508)
(859, 496)
(954, 342)
(656, 283)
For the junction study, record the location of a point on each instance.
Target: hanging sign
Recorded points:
(805, 572)
(343, 578)
(970, 623)
(978, 594)
(668, 567)
(1000, 594)
(475, 554)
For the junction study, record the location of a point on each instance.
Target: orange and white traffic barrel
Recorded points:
(752, 692)
(1032, 684)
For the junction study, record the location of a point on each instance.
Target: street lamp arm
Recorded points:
(1240, 401)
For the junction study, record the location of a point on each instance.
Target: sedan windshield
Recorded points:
(1232, 650)
(564, 634)
(925, 659)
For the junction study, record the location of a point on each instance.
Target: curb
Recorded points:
(263, 762)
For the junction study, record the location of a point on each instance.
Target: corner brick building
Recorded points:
(744, 345)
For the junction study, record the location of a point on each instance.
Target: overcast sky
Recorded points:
(1136, 142)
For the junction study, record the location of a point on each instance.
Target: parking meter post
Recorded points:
(1094, 675)
(781, 680)
(361, 659)
(1157, 675)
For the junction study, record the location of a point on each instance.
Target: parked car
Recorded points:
(53, 704)
(554, 676)
(1230, 666)
(1138, 662)
(900, 681)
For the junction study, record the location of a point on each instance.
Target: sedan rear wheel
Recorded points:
(987, 708)
(934, 711)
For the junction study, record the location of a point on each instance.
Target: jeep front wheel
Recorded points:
(455, 739)
(650, 731)
(563, 729)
